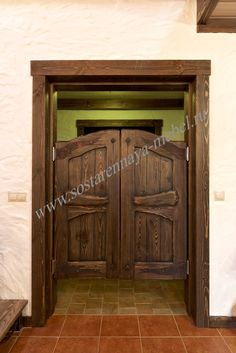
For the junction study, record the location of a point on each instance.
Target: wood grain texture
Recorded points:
(205, 9)
(103, 75)
(222, 321)
(202, 198)
(212, 18)
(84, 269)
(160, 270)
(120, 67)
(127, 104)
(190, 284)
(39, 226)
(218, 25)
(153, 222)
(169, 198)
(50, 281)
(10, 310)
(87, 226)
(120, 87)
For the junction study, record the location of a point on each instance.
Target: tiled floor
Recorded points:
(124, 297)
(121, 334)
(111, 316)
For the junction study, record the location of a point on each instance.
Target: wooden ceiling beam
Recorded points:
(218, 26)
(116, 104)
(204, 10)
(206, 23)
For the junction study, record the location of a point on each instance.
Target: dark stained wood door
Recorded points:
(153, 207)
(87, 227)
(139, 232)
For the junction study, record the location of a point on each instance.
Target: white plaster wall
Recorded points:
(110, 29)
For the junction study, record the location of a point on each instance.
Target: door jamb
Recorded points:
(196, 73)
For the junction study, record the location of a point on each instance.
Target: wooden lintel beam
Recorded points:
(127, 104)
(121, 87)
(120, 68)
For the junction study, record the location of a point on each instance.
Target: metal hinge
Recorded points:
(53, 266)
(53, 153)
(188, 267)
(187, 153)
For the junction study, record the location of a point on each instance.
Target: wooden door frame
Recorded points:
(194, 73)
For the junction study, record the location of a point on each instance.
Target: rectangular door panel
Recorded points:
(153, 207)
(87, 226)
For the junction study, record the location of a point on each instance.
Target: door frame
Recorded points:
(195, 74)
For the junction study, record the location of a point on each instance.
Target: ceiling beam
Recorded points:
(204, 10)
(218, 25)
(116, 104)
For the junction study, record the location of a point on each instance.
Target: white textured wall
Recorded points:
(109, 29)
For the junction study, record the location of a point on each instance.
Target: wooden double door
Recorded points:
(121, 209)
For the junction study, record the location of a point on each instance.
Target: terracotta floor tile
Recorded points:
(84, 289)
(120, 326)
(187, 327)
(205, 345)
(111, 288)
(178, 309)
(34, 345)
(77, 345)
(80, 298)
(142, 298)
(94, 303)
(127, 311)
(163, 311)
(163, 345)
(76, 308)
(126, 292)
(120, 345)
(231, 342)
(111, 297)
(111, 283)
(60, 311)
(158, 326)
(110, 308)
(94, 311)
(126, 283)
(144, 309)
(81, 325)
(160, 304)
(126, 302)
(63, 302)
(96, 295)
(228, 331)
(6, 345)
(52, 328)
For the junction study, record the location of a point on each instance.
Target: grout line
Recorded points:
(224, 340)
(139, 329)
(178, 336)
(62, 326)
(14, 343)
(100, 332)
(181, 337)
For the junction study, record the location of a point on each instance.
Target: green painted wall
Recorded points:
(173, 120)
